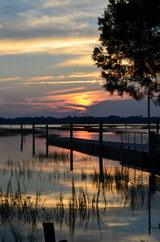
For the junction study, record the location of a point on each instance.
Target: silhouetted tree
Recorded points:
(129, 50)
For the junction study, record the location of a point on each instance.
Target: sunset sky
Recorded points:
(45, 61)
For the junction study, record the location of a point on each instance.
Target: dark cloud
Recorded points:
(27, 19)
(45, 32)
(122, 108)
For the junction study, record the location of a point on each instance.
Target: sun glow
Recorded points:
(84, 99)
(77, 101)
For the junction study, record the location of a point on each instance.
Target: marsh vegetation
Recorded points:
(82, 204)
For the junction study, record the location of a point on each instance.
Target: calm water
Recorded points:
(137, 133)
(83, 204)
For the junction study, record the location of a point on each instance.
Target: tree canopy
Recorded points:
(129, 50)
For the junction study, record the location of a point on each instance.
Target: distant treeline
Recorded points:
(79, 120)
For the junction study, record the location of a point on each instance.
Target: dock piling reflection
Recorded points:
(101, 169)
(22, 137)
(101, 151)
(46, 140)
(22, 141)
(71, 146)
(152, 189)
(33, 140)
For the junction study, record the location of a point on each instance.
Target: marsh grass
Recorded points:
(36, 168)
(17, 236)
(11, 231)
(4, 132)
(55, 156)
(78, 209)
(21, 206)
(132, 191)
(82, 208)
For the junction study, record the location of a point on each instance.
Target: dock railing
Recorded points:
(133, 140)
(123, 136)
(127, 139)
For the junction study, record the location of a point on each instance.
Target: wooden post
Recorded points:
(33, 139)
(21, 141)
(122, 138)
(71, 146)
(71, 131)
(141, 141)
(149, 210)
(21, 137)
(46, 140)
(152, 182)
(128, 140)
(152, 189)
(157, 128)
(100, 150)
(149, 122)
(125, 127)
(152, 142)
(135, 141)
(49, 232)
(100, 137)
(101, 169)
(157, 132)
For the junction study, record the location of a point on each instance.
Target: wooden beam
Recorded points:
(49, 232)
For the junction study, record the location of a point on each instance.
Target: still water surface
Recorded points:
(83, 205)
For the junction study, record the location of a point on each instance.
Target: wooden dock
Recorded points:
(130, 153)
(111, 150)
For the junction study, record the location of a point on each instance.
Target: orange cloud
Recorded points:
(72, 109)
(62, 82)
(82, 98)
(41, 78)
(9, 79)
(70, 46)
(84, 75)
(65, 91)
(80, 61)
(67, 102)
(81, 77)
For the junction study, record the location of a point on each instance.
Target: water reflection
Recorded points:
(132, 190)
(82, 205)
(22, 141)
(88, 203)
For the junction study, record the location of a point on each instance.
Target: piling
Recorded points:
(157, 128)
(149, 212)
(122, 141)
(21, 142)
(152, 189)
(49, 232)
(46, 140)
(141, 141)
(21, 127)
(71, 146)
(135, 141)
(33, 139)
(100, 136)
(128, 140)
(101, 149)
